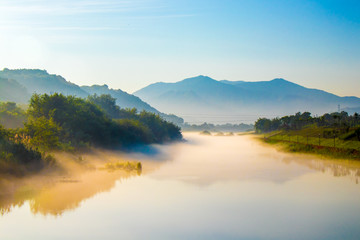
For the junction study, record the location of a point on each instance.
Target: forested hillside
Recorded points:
(66, 123)
(18, 85)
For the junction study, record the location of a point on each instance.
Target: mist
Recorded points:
(73, 179)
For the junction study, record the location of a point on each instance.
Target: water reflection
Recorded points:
(58, 195)
(338, 168)
(207, 160)
(65, 190)
(201, 161)
(207, 188)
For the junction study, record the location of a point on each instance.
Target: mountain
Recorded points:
(125, 100)
(202, 98)
(11, 90)
(18, 85)
(39, 81)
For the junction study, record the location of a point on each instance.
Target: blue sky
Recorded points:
(130, 44)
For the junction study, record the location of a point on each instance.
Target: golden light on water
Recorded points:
(213, 187)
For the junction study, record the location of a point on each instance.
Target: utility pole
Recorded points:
(338, 108)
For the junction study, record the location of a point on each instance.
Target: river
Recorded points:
(209, 187)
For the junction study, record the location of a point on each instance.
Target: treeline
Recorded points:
(67, 123)
(228, 127)
(336, 123)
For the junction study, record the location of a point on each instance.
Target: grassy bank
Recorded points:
(303, 142)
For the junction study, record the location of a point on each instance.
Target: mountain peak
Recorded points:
(281, 81)
(26, 71)
(104, 86)
(199, 79)
(278, 80)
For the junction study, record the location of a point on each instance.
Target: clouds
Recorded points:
(81, 15)
(67, 7)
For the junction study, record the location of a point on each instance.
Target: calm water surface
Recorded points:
(207, 188)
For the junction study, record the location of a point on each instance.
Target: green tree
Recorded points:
(44, 133)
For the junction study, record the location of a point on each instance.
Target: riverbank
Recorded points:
(329, 148)
(74, 178)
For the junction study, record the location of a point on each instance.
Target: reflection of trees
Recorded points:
(338, 168)
(54, 196)
(13, 195)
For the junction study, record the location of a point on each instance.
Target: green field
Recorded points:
(312, 140)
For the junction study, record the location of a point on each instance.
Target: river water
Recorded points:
(210, 187)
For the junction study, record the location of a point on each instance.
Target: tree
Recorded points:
(107, 103)
(44, 133)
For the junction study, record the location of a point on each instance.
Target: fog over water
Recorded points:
(209, 187)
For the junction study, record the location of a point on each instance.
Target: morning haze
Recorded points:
(162, 119)
(131, 44)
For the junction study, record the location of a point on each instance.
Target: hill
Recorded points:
(40, 81)
(125, 100)
(11, 90)
(202, 98)
(18, 85)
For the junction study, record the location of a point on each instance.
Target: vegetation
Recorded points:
(337, 122)
(205, 133)
(16, 157)
(124, 165)
(228, 127)
(155, 129)
(58, 122)
(333, 152)
(17, 84)
(69, 122)
(335, 134)
(11, 116)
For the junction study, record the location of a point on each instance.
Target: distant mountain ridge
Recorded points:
(18, 85)
(40, 81)
(11, 90)
(202, 98)
(123, 99)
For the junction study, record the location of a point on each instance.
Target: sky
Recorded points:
(129, 44)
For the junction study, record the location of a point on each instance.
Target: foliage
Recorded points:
(45, 133)
(154, 128)
(11, 116)
(228, 127)
(107, 103)
(58, 121)
(124, 165)
(161, 129)
(341, 153)
(329, 125)
(133, 131)
(15, 157)
(79, 122)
